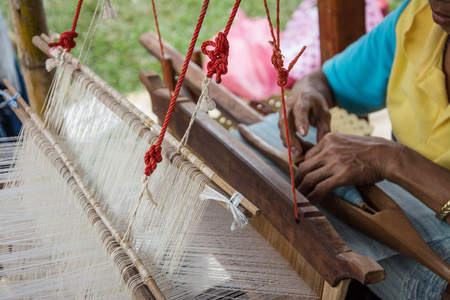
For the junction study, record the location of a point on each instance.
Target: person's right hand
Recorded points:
(306, 106)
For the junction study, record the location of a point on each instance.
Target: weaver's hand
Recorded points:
(308, 105)
(340, 160)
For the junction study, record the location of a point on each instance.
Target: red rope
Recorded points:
(218, 56)
(66, 39)
(283, 74)
(153, 155)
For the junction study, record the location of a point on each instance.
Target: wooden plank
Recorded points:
(313, 237)
(229, 104)
(28, 18)
(341, 22)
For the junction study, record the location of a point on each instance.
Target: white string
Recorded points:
(205, 103)
(144, 191)
(240, 220)
(108, 11)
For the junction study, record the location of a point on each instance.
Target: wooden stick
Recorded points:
(114, 231)
(41, 43)
(390, 226)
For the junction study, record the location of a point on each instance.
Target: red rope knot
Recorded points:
(66, 40)
(278, 63)
(152, 158)
(218, 56)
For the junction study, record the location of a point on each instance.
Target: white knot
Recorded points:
(205, 101)
(50, 64)
(240, 220)
(108, 11)
(56, 59)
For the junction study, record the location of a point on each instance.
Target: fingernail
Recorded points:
(295, 151)
(302, 130)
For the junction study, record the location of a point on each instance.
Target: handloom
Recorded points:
(108, 177)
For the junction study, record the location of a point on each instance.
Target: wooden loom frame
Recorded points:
(339, 262)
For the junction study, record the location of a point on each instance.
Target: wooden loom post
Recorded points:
(28, 18)
(341, 22)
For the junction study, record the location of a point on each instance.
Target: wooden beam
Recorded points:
(28, 18)
(341, 22)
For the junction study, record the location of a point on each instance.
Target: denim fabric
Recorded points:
(405, 279)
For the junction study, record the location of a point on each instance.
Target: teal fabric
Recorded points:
(372, 57)
(406, 279)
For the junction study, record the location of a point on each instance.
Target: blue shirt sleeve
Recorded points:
(359, 75)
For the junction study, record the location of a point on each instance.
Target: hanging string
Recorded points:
(153, 155)
(66, 40)
(96, 15)
(218, 65)
(282, 78)
(108, 11)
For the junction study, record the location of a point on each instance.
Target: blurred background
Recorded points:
(116, 54)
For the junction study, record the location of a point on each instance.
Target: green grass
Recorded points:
(116, 54)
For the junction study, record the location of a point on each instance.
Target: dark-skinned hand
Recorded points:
(341, 160)
(305, 107)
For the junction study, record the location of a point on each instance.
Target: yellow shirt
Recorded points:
(417, 97)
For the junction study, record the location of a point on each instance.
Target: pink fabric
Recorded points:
(251, 74)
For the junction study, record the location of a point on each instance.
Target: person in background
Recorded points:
(403, 65)
(9, 69)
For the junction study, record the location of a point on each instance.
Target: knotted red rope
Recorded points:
(152, 158)
(283, 74)
(218, 63)
(66, 39)
(153, 155)
(218, 56)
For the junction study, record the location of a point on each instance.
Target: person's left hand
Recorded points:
(341, 160)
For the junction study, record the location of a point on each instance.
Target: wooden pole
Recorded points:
(341, 22)
(28, 18)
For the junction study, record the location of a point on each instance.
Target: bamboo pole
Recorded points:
(41, 43)
(28, 18)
